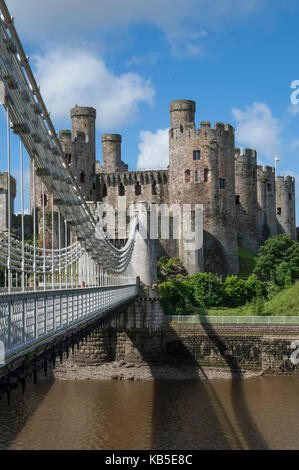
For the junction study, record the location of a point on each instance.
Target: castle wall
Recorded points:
(152, 185)
(285, 205)
(246, 199)
(266, 197)
(200, 181)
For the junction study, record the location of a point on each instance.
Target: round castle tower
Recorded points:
(285, 205)
(202, 171)
(246, 198)
(266, 198)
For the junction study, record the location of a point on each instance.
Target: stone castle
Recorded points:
(244, 204)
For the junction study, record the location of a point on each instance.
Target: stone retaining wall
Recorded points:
(236, 347)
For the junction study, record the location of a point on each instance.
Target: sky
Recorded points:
(130, 58)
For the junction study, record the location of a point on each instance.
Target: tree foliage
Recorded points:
(278, 261)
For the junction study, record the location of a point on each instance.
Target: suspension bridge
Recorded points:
(50, 298)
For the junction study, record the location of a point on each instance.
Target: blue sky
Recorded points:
(130, 58)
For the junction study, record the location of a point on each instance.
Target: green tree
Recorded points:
(278, 260)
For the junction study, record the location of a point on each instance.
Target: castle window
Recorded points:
(154, 188)
(187, 176)
(138, 189)
(94, 187)
(222, 183)
(121, 190)
(69, 158)
(238, 200)
(269, 187)
(82, 178)
(105, 192)
(196, 155)
(290, 196)
(44, 200)
(206, 175)
(196, 177)
(279, 211)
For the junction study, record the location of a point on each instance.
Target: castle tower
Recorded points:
(4, 215)
(182, 113)
(285, 205)
(246, 198)
(112, 162)
(202, 171)
(266, 198)
(82, 153)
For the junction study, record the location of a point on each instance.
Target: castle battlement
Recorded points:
(133, 177)
(189, 131)
(4, 183)
(284, 180)
(267, 171)
(247, 154)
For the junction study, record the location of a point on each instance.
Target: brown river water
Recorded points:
(258, 413)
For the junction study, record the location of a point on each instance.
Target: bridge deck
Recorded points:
(30, 319)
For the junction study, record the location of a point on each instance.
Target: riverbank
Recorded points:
(69, 371)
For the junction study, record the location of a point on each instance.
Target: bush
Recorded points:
(176, 297)
(170, 269)
(207, 290)
(235, 291)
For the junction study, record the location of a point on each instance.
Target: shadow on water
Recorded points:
(248, 429)
(186, 414)
(13, 418)
(180, 422)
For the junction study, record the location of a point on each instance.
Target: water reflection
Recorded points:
(259, 413)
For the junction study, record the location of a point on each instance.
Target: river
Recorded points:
(258, 413)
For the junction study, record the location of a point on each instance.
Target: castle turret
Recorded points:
(285, 205)
(83, 120)
(182, 114)
(4, 213)
(266, 197)
(112, 162)
(202, 171)
(246, 198)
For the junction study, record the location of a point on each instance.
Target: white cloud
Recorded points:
(293, 109)
(70, 76)
(256, 127)
(71, 19)
(154, 149)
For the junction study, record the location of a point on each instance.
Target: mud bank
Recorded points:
(69, 371)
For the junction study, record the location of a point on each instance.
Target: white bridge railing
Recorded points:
(32, 318)
(226, 319)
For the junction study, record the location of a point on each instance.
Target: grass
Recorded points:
(283, 304)
(247, 262)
